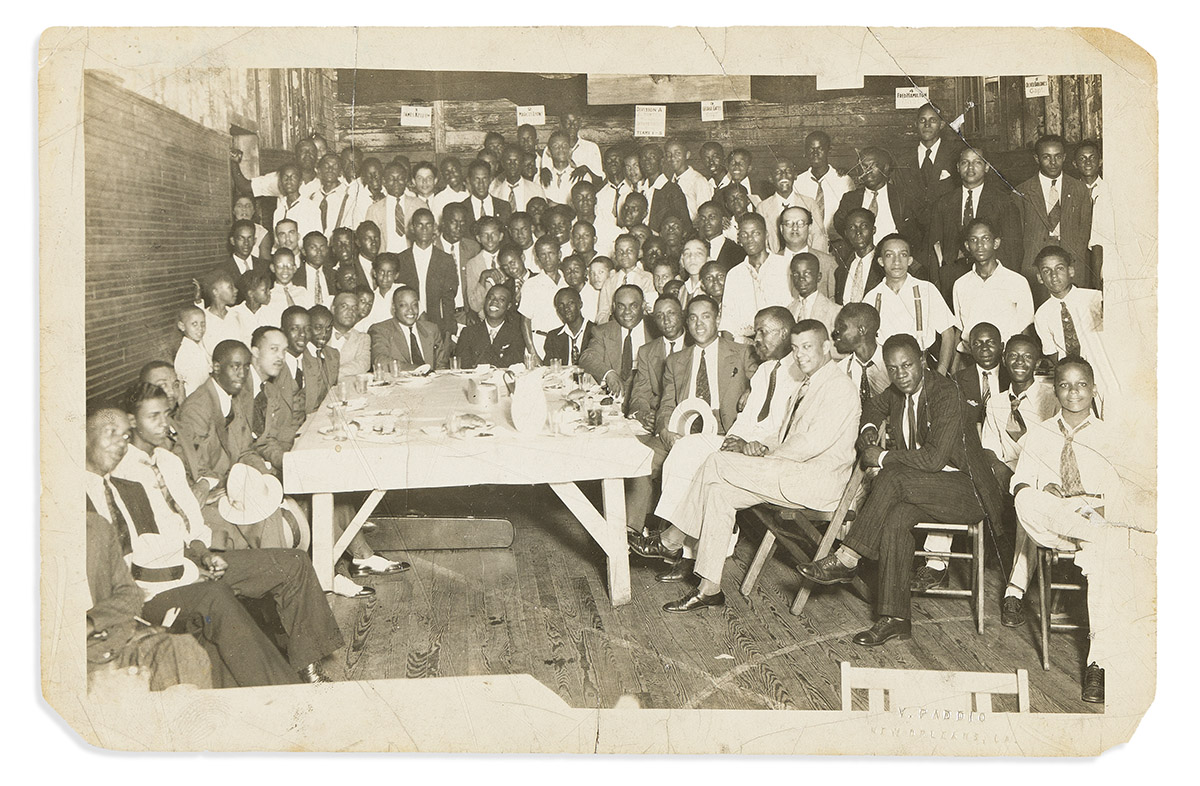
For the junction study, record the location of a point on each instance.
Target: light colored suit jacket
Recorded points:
(217, 446)
(733, 377)
(823, 310)
(388, 343)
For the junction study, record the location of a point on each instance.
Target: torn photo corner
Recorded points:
(523, 622)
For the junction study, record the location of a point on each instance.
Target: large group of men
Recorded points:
(915, 314)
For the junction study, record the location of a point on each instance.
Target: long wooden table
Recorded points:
(421, 455)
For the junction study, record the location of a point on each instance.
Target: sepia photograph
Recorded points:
(787, 397)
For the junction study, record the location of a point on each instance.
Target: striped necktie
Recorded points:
(1072, 483)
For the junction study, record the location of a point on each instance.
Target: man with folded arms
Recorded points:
(933, 469)
(807, 463)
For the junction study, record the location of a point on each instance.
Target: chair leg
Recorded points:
(765, 550)
(980, 603)
(1043, 578)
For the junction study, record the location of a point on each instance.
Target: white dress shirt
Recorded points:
(136, 466)
(1048, 183)
(381, 307)
(749, 290)
(1035, 404)
(1086, 307)
(787, 381)
(193, 364)
(421, 258)
(218, 329)
(885, 224)
(833, 187)
(710, 368)
(877, 376)
(1003, 299)
(856, 278)
(537, 305)
(696, 189)
(917, 301)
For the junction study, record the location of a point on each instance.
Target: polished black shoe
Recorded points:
(652, 547)
(885, 629)
(694, 600)
(359, 571)
(1012, 612)
(680, 571)
(313, 675)
(1093, 685)
(927, 578)
(827, 570)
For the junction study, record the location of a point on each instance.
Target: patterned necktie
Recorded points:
(1055, 211)
(512, 197)
(820, 198)
(766, 405)
(969, 209)
(627, 358)
(927, 165)
(911, 439)
(864, 382)
(856, 289)
(259, 425)
(874, 206)
(319, 295)
(287, 294)
(299, 375)
(702, 390)
(1016, 422)
(1072, 483)
(324, 212)
(986, 393)
(1070, 337)
(575, 349)
(116, 517)
(161, 483)
(399, 217)
(415, 348)
(787, 425)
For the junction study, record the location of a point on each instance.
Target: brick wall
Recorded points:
(157, 213)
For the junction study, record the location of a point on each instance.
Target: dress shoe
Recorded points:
(313, 675)
(652, 548)
(1012, 612)
(1093, 685)
(828, 570)
(927, 578)
(680, 571)
(694, 600)
(884, 629)
(376, 565)
(348, 589)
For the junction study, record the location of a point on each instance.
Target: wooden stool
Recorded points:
(1047, 559)
(974, 533)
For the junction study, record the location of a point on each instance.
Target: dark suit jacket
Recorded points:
(137, 502)
(731, 254)
(927, 189)
(967, 378)
(903, 205)
(279, 423)
(947, 436)
(215, 446)
(558, 345)
(501, 210)
(441, 282)
(647, 379)
(1075, 227)
(468, 247)
(733, 378)
(301, 277)
(603, 354)
(668, 201)
(475, 349)
(996, 205)
(388, 344)
(316, 385)
(874, 276)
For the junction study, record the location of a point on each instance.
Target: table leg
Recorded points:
(618, 545)
(322, 539)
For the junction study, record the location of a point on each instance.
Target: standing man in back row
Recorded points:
(1056, 210)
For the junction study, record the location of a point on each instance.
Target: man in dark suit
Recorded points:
(241, 244)
(986, 377)
(407, 338)
(428, 269)
(979, 197)
(1056, 210)
(929, 171)
(320, 328)
(461, 247)
(647, 380)
(610, 358)
(861, 274)
(567, 342)
(496, 341)
(303, 377)
(710, 225)
(664, 194)
(895, 210)
(215, 420)
(479, 202)
(316, 267)
(935, 471)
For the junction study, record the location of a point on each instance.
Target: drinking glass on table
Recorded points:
(395, 369)
(455, 363)
(343, 391)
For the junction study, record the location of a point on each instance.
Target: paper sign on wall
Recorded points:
(711, 111)
(650, 120)
(531, 115)
(416, 116)
(1037, 86)
(911, 97)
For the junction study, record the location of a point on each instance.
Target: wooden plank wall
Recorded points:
(156, 201)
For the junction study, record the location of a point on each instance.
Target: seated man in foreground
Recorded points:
(807, 464)
(938, 472)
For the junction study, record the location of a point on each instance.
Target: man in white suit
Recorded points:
(806, 464)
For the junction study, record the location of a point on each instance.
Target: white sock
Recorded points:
(1012, 591)
(843, 556)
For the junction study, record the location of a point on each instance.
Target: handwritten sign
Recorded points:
(416, 116)
(650, 120)
(531, 115)
(711, 111)
(911, 97)
(1037, 86)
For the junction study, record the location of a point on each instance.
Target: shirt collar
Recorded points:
(224, 400)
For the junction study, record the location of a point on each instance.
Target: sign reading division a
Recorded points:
(650, 120)
(416, 116)
(911, 97)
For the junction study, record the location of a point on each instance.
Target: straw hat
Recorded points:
(250, 496)
(159, 564)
